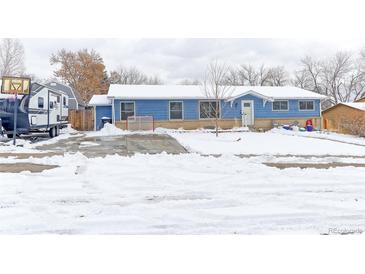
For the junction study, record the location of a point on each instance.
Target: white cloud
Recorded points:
(176, 59)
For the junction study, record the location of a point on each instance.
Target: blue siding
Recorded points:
(261, 111)
(102, 111)
(159, 109)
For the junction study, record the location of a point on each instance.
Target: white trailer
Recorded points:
(48, 109)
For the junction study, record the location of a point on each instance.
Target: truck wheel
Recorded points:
(10, 136)
(52, 132)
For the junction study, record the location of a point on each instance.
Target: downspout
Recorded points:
(320, 114)
(113, 112)
(94, 118)
(48, 101)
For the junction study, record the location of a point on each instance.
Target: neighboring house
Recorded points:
(75, 100)
(348, 118)
(102, 108)
(179, 106)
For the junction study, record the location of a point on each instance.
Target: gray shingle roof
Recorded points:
(68, 90)
(34, 87)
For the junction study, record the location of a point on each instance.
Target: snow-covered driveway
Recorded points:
(189, 193)
(179, 194)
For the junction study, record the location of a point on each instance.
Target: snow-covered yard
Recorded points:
(189, 193)
(275, 142)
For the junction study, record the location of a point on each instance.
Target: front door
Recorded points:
(247, 113)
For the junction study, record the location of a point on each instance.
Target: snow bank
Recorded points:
(108, 130)
(199, 130)
(112, 130)
(69, 130)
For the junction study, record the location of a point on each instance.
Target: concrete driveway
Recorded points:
(122, 145)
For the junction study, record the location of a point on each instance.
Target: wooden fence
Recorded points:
(82, 120)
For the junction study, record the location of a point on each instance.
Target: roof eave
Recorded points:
(252, 92)
(343, 104)
(100, 105)
(160, 98)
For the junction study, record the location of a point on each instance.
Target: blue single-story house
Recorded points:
(188, 107)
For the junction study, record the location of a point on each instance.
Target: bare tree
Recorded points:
(309, 76)
(264, 76)
(249, 75)
(277, 76)
(340, 77)
(154, 80)
(35, 78)
(11, 57)
(232, 77)
(132, 76)
(189, 82)
(335, 72)
(215, 89)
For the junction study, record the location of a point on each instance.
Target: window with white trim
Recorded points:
(176, 110)
(280, 105)
(126, 110)
(209, 109)
(306, 105)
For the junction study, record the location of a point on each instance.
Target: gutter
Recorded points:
(94, 118)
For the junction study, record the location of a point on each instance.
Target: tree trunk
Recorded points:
(216, 126)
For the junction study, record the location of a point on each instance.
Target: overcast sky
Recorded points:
(177, 59)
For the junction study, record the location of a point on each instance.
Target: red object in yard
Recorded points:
(309, 122)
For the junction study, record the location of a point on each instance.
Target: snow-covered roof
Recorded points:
(99, 100)
(196, 92)
(359, 105)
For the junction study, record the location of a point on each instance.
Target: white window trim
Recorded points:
(210, 100)
(182, 110)
(314, 105)
(279, 110)
(134, 108)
